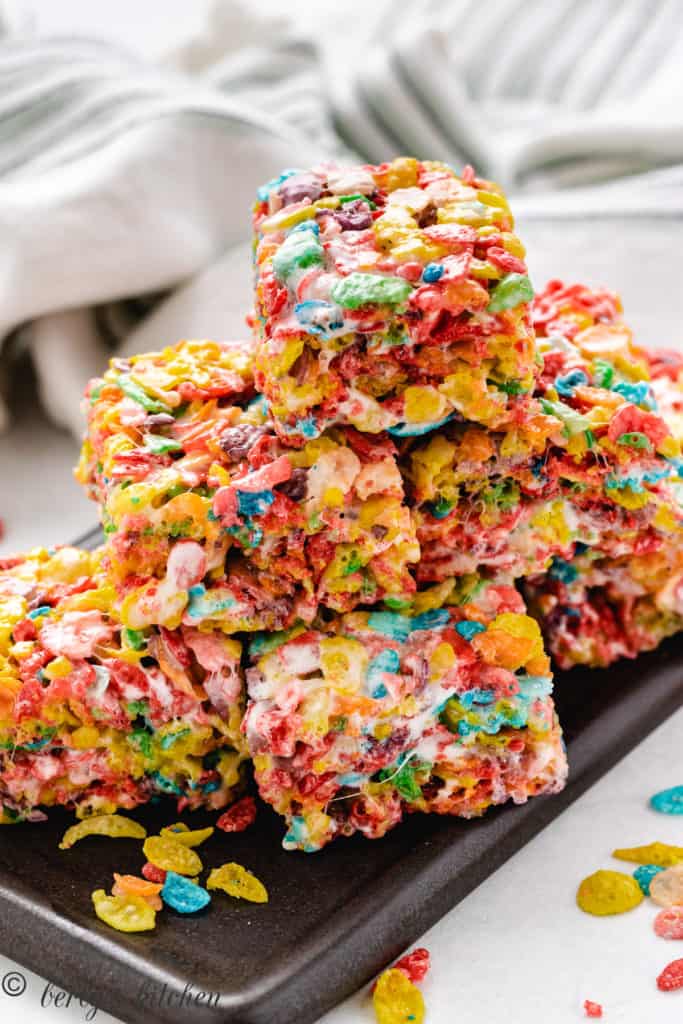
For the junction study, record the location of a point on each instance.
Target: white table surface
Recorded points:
(517, 949)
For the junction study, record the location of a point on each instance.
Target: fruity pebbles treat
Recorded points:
(390, 297)
(620, 591)
(374, 714)
(589, 462)
(95, 716)
(211, 521)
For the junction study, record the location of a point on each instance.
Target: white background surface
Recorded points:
(517, 949)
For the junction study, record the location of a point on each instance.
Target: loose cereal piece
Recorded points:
(237, 881)
(668, 923)
(130, 885)
(170, 855)
(592, 1009)
(668, 801)
(182, 833)
(671, 977)
(662, 854)
(397, 1000)
(114, 826)
(608, 892)
(414, 965)
(184, 895)
(666, 889)
(644, 875)
(124, 913)
(238, 817)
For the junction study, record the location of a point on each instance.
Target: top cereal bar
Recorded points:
(391, 297)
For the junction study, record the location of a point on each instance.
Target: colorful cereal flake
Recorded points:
(238, 817)
(170, 855)
(669, 801)
(236, 881)
(592, 1009)
(124, 913)
(397, 1000)
(644, 875)
(662, 854)
(666, 889)
(183, 895)
(114, 826)
(668, 923)
(608, 892)
(671, 977)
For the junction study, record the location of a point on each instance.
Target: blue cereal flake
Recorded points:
(476, 696)
(182, 895)
(318, 317)
(669, 801)
(307, 427)
(644, 875)
(562, 570)
(398, 627)
(254, 503)
(417, 429)
(638, 394)
(263, 191)
(566, 384)
(306, 225)
(432, 272)
(38, 613)
(469, 630)
(386, 661)
(432, 619)
(202, 604)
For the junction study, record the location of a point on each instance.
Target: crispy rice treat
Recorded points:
(96, 716)
(211, 521)
(390, 297)
(375, 714)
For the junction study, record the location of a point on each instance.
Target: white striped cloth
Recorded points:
(119, 179)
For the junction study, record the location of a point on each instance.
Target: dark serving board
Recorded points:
(334, 918)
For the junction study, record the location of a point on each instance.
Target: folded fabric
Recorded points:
(376, 714)
(95, 716)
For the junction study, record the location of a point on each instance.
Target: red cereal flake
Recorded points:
(414, 965)
(152, 873)
(671, 977)
(239, 817)
(592, 1009)
(668, 923)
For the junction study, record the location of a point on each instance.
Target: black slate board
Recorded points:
(334, 918)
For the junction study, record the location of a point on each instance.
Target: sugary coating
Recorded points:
(396, 1000)
(668, 801)
(97, 717)
(608, 892)
(220, 524)
(237, 881)
(389, 297)
(666, 889)
(378, 713)
(182, 895)
(124, 913)
(664, 855)
(668, 923)
(644, 875)
(171, 855)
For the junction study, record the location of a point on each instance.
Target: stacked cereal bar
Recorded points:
(97, 717)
